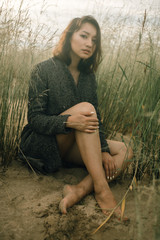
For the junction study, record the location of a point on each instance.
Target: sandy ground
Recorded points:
(29, 209)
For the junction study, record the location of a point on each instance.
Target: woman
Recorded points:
(64, 124)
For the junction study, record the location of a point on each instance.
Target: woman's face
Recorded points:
(83, 42)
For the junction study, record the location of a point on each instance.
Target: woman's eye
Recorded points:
(94, 40)
(83, 36)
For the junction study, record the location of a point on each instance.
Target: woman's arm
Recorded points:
(38, 118)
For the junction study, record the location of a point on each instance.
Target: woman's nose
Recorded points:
(89, 43)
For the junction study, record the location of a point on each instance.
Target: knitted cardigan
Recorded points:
(52, 90)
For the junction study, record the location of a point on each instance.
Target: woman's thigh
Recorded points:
(68, 148)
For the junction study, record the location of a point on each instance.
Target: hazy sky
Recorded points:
(122, 16)
(60, 12)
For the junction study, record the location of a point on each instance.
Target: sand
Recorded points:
(29, 208)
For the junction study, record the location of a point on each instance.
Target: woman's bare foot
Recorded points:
(106, 201)
(72, 195)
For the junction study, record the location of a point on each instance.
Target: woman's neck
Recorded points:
(73, 68)
(74, 62)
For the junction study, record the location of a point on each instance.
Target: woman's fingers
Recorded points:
(107, 172)
(91, 124)
(92, 127)
(87, 113)
(109, 165)
(81, 122)
(110, 169)
(113, 170)
(90, 131)
(92, 119)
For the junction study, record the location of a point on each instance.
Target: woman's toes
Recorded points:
(123, 218)
(62, 207)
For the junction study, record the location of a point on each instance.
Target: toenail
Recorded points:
(113, 176)
(107, 177)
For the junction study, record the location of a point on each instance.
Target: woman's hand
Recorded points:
(85, 122)
(109, 165)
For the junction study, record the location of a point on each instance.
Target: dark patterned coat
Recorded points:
(52, 90)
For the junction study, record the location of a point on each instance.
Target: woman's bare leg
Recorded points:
(74, 193)
(90, 151)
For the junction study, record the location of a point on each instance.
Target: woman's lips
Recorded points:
(86, 51)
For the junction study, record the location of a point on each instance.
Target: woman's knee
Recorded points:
(83, 107)
(86, 107)
(120, 148)
(126, 148)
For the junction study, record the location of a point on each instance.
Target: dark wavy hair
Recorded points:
(63, 48)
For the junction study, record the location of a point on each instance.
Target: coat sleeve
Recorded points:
(38, 118)
(104, 144)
